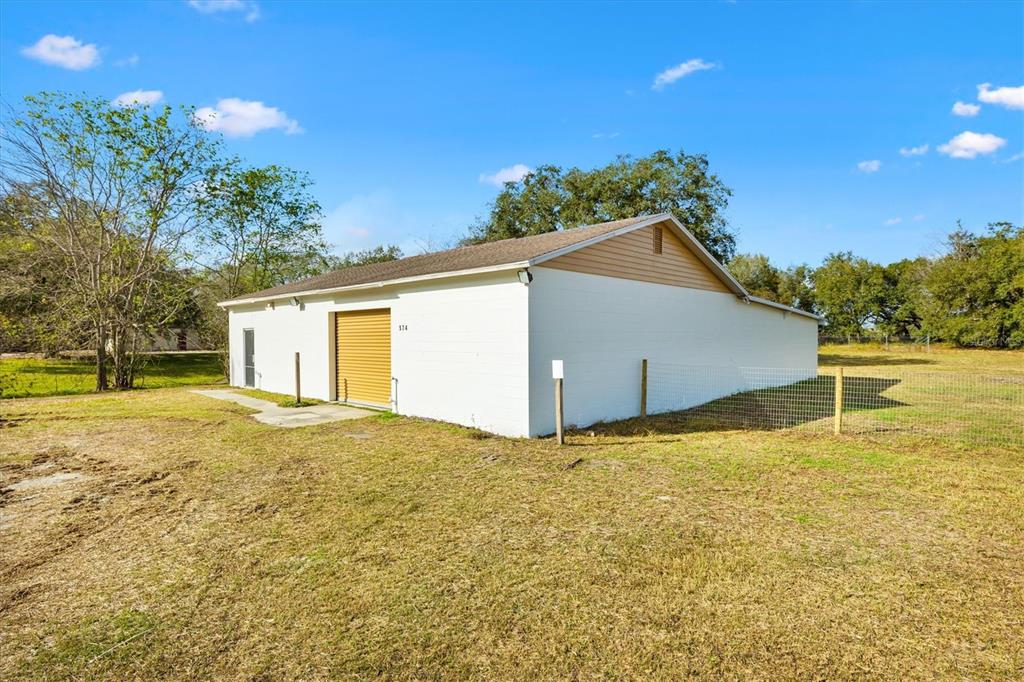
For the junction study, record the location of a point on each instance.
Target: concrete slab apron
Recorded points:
(289, 417)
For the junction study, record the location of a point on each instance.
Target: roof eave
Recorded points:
(783, 306)
(374, 285)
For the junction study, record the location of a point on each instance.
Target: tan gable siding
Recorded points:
(631, 256)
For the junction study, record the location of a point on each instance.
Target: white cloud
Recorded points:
(244, 118)
(968, 145)
(671, 75)
(1016, 157)
(251, 9)
(511, 174)
(145, 98)
(871, 166)
(914, 151)
(605, 136)
(1011, 98)
(919, 217)
(64, 51)
(965, 109)
(894, 221)
(133, 60)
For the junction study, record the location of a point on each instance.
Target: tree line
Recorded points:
(970, 295)
(117, 223)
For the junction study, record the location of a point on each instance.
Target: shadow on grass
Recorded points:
(840, 360)
(768, 409)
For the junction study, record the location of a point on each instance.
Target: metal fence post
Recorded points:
(839, 401)
(559, 413)
(643, 387)
(298, 385)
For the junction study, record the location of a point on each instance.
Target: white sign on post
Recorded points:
(556, 370)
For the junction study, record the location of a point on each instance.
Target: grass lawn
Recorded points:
(30, 377)
(864, 358)
(164, 534)
(279, 399)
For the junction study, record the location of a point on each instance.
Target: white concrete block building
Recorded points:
(468, 335)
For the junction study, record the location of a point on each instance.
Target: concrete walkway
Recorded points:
(289, 417)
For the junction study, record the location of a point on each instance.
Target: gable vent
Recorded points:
(659, 237)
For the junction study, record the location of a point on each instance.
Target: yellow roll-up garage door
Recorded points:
(363, 347)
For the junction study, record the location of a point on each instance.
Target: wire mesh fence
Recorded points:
(922, 343)
(972, 409)
(33, 376)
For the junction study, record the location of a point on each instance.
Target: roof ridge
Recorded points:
(532, 236)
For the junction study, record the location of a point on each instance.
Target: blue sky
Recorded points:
(401, 112)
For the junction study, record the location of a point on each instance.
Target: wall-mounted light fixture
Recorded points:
(525, 276)
(296, 301)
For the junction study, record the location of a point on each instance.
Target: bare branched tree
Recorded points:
(110, 191)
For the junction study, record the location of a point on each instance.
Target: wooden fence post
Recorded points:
(643, 387)
(298, 385)
(839, 401)
(559, 413)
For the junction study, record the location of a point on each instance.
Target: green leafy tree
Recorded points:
(897, 304)
(378, 254)
(974, 295)
(261, 228)
(757, 275)
(792, 286)
(796, 288)
(847, 290)
(550, 198)
(258, 224)
(27, 272)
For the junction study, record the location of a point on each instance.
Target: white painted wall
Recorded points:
(602, 327)
(279, 334)
(459, 348)
(465, 355)
(477, 351)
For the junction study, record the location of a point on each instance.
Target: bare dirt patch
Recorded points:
(47, 481)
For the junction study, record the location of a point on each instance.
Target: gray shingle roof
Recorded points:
(462, 258)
